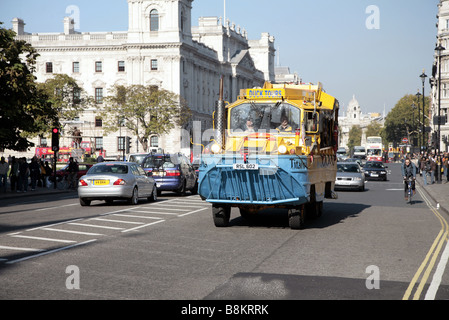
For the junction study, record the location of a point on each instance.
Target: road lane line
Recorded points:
(140, 217)
(157, 212)
(57, 207)
(44, 239)
(188, 213)
(438, 242)
(143, 226)
(54, 224)
(436, 280)
(20, 249)
(75, 232)
(117, 221)
(51, 251)
(95, 226)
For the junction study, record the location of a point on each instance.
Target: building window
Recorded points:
(98, 122)
(121, 66)
(98, 66)
(99, 95)
(49, 67)
(153, 64)
(76, 67)
(120, 143)
(43, 142)
(98, 143)
(76, 96)
(154, 20)
(154, 142)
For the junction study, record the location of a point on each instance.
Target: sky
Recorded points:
(373, 49)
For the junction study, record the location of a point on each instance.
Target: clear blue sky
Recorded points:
(321, 40)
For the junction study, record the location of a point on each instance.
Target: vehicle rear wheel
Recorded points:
(153, 196)
(84, 202)
(296, 218)
(134, 198)
(221, 215)
(182, 191)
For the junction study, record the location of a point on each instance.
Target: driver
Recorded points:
(284, 127)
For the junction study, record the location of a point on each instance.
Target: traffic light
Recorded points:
(128, 144)
(55, 139)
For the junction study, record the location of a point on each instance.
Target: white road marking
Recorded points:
(44, 239)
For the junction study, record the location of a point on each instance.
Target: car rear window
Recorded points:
(158, 162)
(109, 168)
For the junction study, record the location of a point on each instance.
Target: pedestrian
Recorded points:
(24, 173)
(14, 174)
(433, 168)
(4, 168)
(48, 172)
(73, 172)
(34, 173)
(425, 168)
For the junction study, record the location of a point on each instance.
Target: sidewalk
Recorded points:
(438, 192)
(39, 191)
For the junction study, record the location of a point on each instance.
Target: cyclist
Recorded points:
(408, 171)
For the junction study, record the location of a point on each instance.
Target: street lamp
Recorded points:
(439, 49)
(423, 77)
(420, 143)
(413, 127)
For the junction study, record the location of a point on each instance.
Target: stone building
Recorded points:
(160, 48)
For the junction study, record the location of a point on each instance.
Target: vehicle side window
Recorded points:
(134, 170)
(141, 171)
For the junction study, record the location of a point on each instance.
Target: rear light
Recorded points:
(82, 183)
(119, 182)
(174, 173)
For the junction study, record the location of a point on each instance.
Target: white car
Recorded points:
(116, 180)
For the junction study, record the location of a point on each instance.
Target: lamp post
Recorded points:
(423, 77)
(439, 49)
(413, 128)
(420, 141)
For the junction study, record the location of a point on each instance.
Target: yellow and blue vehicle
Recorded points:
(275, 147)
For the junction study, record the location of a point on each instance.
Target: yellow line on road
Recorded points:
(432, 254)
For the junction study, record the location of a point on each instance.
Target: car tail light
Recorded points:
(119, 182)
(174, 173)
(82, 183)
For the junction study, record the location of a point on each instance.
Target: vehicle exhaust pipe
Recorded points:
(220, 118)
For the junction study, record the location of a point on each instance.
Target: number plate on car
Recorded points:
(246, 166)
(101, 182)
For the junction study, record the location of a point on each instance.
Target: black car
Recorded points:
(171, 172)
(375, 170)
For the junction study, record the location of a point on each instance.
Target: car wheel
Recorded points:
(84, 202)
(182, 191)
(153, 196)
(221, 215)
(134, 198)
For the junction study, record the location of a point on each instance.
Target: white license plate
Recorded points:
(246, 166)
(374, 175)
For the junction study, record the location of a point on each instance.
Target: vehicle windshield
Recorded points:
(109, 168)
(265, 117)
(374, 152)
(137, 158)
(374, 165)
(164, 162)
(359, 149)
(348, 168)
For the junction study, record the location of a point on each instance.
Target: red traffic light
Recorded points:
(55, 130)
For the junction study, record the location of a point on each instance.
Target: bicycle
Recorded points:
(409, 190)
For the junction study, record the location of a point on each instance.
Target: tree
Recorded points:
(355, 137)
(374, 129)
(145, 110)
(66, 97)
(403, 120)
(23, 106)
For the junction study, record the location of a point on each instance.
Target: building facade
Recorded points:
(440, 86)
(355, 117)
(160, 48)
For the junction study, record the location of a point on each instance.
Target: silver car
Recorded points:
(116, 180)
(350, 176)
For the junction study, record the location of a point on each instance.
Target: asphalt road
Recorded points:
(368, 245)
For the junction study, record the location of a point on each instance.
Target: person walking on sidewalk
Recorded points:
(14, 174)
(4, 168)
(425, 168)
(433, 168)
(34, 173)
(24, 173)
